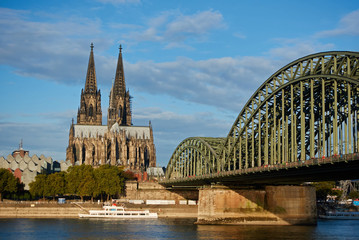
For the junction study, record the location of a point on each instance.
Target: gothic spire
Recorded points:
(111, 102)
(91, 84)
(90, 112)
(120, 85)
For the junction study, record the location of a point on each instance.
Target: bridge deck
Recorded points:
(316, 169)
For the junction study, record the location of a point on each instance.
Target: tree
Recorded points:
(83, 181)
(55, 184)
(323, 189)
(337, 193)
(8, 182)
(109, 180)
(129, 175)
(353, 195)
(88, 186)
(78, 180)
(39, 186)
(73, 179)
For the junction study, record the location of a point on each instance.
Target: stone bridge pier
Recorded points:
(270, 205)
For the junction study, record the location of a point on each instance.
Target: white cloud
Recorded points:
(348, 25)
(58, 50)
(117, 25)
(289, 50)
(170, 128)
(118, 2)
(42, 133)
(226, 83)
(292, 49)
(239, 35)
(47, 50)
(44, 138)
(174, 28)
(196, 25)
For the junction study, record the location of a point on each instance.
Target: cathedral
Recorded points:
(117, 143)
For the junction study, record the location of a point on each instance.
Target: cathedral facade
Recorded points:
(117, 143)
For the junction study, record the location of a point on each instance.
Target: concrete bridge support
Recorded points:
(272, 205)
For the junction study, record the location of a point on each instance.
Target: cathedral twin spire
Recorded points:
(119, 110)
(117, 143)
(90, 112)
(91, 83)
(120, 106)
(120, 85)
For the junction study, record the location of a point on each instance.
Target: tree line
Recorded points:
(83, 181)
(9, 183)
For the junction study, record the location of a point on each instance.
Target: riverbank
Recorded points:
(71, 210)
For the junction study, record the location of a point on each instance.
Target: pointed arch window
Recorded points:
(119, 112)
(91, 111)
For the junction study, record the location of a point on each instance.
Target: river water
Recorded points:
(168, 229)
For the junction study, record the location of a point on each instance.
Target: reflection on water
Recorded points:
(167, 229)
(256, 232)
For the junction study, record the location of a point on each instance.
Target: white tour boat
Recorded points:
(340, 215)
(118, 212)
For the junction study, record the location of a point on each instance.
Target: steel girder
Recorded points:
(193, 157)
(307, 109)
(300, 112)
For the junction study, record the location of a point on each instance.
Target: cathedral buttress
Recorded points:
(90, 112)
(120, 105)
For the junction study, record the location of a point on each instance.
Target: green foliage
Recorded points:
(353, 195)
(88, 185)
(337, 193)
(48, 185)
(129, 175)
(8, 182)
(81, 180)
(323, 189)
(38, 187)
(109, 180)
(55, 184)
(73, 178)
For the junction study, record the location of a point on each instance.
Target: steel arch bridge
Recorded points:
(305, 114)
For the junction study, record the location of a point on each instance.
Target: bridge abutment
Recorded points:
(272, 205)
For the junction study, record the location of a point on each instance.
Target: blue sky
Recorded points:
(189, 65)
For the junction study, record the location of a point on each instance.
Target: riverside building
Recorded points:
(118, 143)
(26, 167)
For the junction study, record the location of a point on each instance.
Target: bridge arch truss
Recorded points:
(307, 109)
(194, 156)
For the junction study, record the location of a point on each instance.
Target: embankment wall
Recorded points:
(68, 210)
(154, 191)
(43, 210)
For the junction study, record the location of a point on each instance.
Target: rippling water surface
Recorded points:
(167, 229)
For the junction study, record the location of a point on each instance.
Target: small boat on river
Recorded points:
(118, 212)
(339, 215)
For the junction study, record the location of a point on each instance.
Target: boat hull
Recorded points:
(338, 217)
(150, 216)
(341, 216)
(118, 212)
